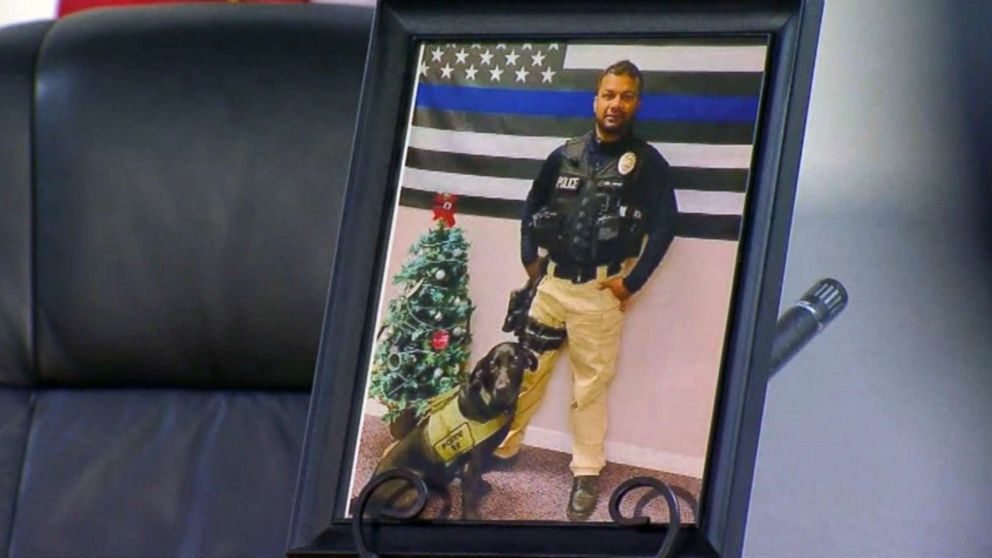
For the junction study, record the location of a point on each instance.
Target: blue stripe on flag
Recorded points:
(579, 103)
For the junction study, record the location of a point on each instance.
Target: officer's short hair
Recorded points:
(622, 68)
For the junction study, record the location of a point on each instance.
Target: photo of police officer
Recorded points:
(598, 190)
(603, 211)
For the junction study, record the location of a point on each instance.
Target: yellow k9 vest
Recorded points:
(451, 434)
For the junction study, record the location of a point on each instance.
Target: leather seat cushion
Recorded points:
(158, 473)
(15, 415)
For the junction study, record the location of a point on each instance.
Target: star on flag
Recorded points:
(532, 64)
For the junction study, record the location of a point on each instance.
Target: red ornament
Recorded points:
(444, 208)
(440, 339)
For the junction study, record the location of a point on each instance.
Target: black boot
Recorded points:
(582, 500)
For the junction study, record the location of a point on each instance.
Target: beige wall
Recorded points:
(661, 401)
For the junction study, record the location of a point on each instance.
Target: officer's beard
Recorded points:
(616, 134)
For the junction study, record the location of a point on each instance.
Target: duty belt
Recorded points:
(582, 273)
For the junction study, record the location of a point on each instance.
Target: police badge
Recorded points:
(627, 163)
(483, 115)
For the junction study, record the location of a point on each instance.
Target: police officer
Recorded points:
(604, 211)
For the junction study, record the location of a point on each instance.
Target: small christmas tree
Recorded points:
(424, 342)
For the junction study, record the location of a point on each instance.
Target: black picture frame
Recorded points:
(792, 28)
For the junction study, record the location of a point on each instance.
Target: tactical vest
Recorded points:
(451, 435)
(596, 214)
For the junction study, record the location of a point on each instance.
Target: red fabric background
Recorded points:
(67, 7)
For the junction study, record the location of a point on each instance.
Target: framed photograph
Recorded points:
(558, 270)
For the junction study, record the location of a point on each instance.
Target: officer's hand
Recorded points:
(534, 269)
(618, 289)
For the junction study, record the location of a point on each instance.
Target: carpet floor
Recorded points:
(536, 488)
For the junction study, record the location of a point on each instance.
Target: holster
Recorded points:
(546, 227)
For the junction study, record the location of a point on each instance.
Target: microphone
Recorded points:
(801, 323)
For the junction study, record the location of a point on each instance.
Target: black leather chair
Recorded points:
(170, 186)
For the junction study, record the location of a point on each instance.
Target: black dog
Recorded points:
(462, 429)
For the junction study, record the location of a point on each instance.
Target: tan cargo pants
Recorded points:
(592, 319)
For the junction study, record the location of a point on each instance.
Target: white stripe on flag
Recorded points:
(480, 143)
(466, 184)
(706, 156)
(538, 148)
(668, 58)
(690, 201)
(712, 203)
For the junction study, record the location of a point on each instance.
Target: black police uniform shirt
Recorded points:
(660, 209)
